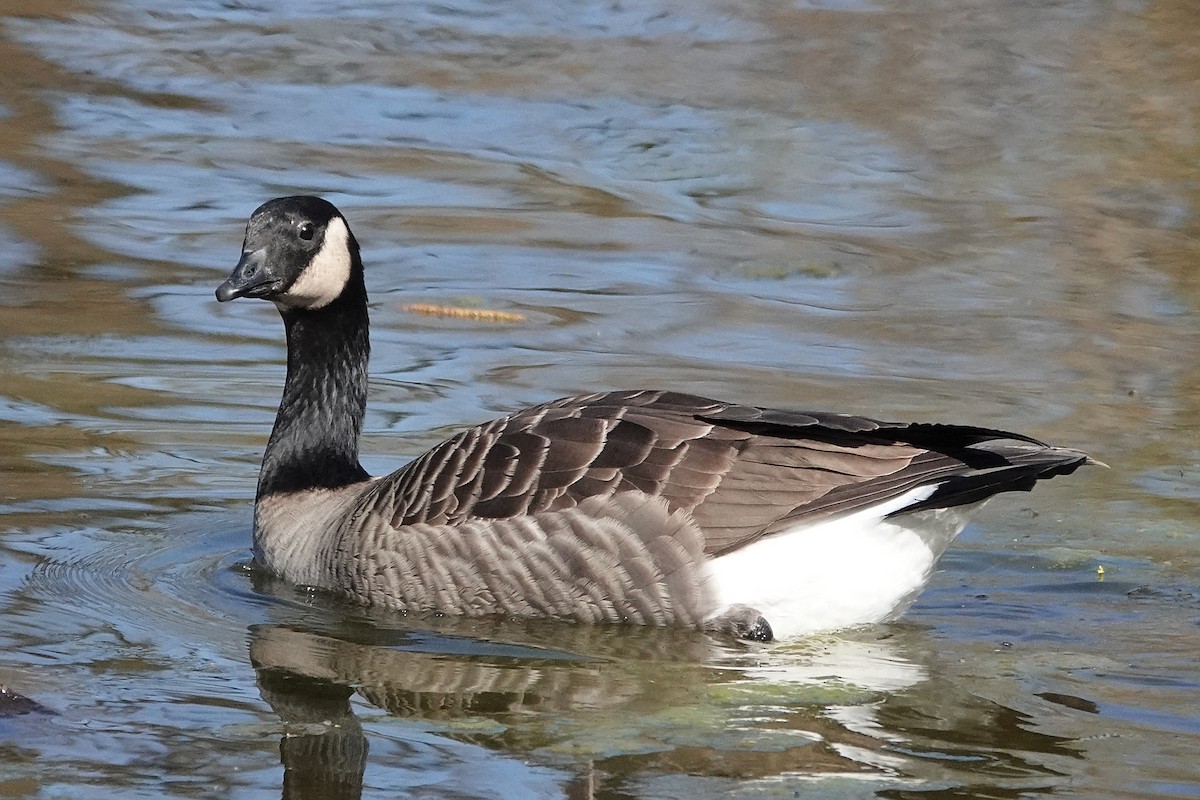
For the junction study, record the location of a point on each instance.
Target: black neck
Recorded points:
(314, 443)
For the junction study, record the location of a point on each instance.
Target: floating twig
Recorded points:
(460, 312)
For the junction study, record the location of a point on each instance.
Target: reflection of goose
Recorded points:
(873, 665)
(673, 693)
(844, 705)
(428, 684)
(640, 506)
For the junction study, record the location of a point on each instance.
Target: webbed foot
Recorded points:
(742, 622)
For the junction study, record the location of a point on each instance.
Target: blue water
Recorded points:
(979, 212)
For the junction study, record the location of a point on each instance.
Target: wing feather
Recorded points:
(741, 472)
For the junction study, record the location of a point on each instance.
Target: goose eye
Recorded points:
(306, 230)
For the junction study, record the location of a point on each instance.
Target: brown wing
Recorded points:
(741, 471)
(555, 455)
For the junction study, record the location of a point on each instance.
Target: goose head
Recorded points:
(298, 252)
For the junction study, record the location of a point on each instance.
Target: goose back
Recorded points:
(741, 472)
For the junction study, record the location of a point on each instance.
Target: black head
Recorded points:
(298, 252)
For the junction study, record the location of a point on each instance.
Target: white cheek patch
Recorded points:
(326, 275)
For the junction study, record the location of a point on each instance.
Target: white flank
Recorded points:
(325, 276)
(856, 569)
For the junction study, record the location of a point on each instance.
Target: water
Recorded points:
(979, 212)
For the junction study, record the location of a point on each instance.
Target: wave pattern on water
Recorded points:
(932, 210)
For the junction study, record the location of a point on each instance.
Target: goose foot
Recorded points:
(742, 622)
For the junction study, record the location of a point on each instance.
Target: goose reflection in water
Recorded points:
(603, 708)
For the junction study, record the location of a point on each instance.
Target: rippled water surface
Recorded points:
(968, 211)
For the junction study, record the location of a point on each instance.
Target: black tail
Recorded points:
(995, 467)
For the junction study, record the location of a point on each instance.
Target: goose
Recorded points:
(644, 506)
